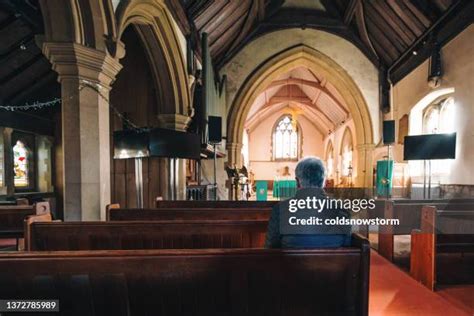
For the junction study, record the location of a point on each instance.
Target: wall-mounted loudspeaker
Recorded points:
(215, 129)
(388, 132)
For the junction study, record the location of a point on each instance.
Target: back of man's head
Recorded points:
(310, 173)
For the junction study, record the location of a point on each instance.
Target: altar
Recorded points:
(283, 189)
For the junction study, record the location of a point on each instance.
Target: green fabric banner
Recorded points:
(262, 189)
(384, 177)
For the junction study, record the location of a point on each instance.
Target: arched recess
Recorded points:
(329, 158)
(90, 23)
(318, 63)
(153, 22)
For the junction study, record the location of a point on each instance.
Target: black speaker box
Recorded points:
(215, 129)
(388, 132)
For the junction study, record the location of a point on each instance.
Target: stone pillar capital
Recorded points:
(365, 147)
(75, 61)
(174, 121)
(234, 146)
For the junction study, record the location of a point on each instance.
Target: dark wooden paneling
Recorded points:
(195, 282)
(133, 94)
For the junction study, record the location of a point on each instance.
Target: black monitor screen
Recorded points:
(426, 147)
(131, 144)
(174, 144)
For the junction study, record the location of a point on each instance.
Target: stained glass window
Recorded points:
(286, 139)
(20, 164)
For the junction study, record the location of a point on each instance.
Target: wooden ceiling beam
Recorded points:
(362, 28)
(256, 13)
(312, 84)
(415, 26)
(451, 24)
(219, 20)
(417, 13)
(350, 11)
(22, 68)
(180, 16)
(24, 92)
(228, 36)
(380, 22)
(390, 18)
(379, 36)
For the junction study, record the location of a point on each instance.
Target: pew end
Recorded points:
(27, 224)
(422, 258)
(109, 207)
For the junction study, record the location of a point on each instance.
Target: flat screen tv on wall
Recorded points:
(427, 147)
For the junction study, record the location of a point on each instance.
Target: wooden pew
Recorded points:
(409, 214)
(443, 233)
(213, 282)
(214, 204)
(43, 218)
(12, 217)
(117, 214)
(147, 235)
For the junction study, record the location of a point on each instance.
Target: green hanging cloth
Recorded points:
(384, 177)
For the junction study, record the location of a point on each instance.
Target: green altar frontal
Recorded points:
(283, 189)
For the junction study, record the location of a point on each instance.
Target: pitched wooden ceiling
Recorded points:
(302, 91)
(384, 30)
(25, 73)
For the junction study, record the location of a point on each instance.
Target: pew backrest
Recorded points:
(114, 214)
(214, 204)
(11, 219)
(147, 235)
(409, 214)
(212, 282)
(27, 226)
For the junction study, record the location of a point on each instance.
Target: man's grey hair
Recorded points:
(310, 172)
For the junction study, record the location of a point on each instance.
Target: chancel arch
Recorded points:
(318, 64)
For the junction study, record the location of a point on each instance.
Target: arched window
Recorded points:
(439, 117)
(330, 161)
(346, 154)
(21, 164)
(285, 139)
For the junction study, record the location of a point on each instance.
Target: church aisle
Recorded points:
(393, 292)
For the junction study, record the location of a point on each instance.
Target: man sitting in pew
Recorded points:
(310, 176)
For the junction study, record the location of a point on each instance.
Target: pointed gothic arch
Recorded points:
(316, 62)
(153, 22)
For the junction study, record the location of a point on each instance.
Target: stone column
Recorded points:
(365, 171)
(8, 181)
(234, 154)
(85, 75)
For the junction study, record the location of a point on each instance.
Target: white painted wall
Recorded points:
(458, 65)
(260, 146)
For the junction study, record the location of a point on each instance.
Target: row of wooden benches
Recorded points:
(184, 281)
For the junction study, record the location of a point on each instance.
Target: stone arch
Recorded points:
(329, 149)
(153, 22)
(297, 56)
(346, 137)
(90, 23)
